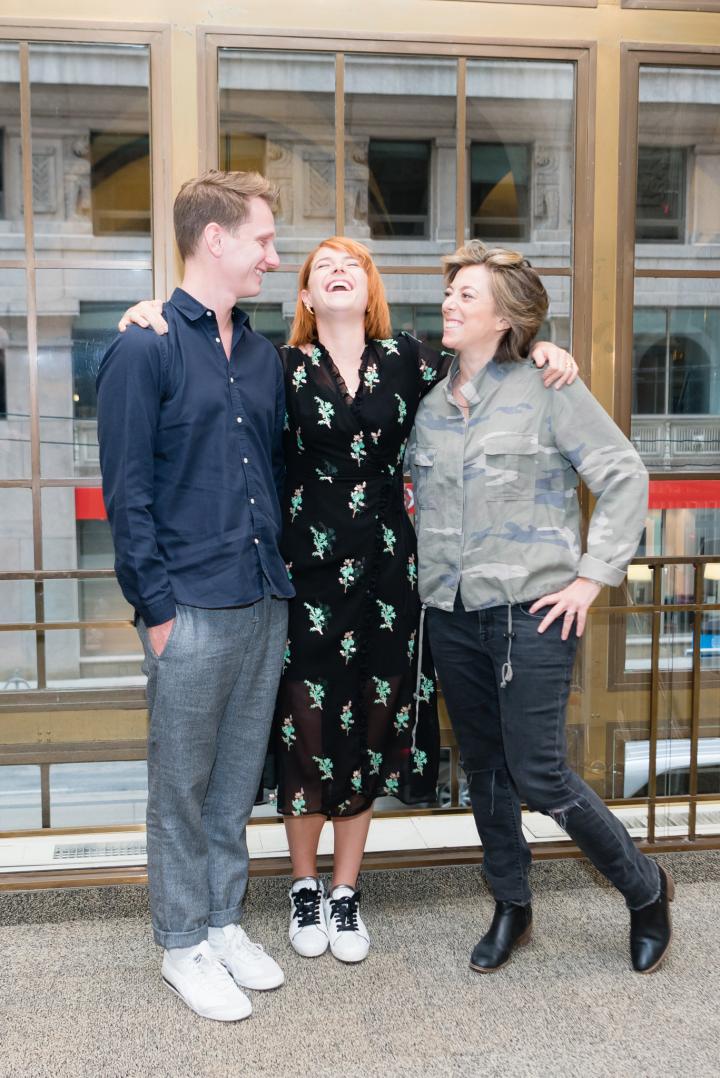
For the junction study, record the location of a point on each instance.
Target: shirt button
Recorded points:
(245, 460)
(209, 314)
(232, 379)
(217, 340)
(252, 501)
(256, 540)
(239, 419)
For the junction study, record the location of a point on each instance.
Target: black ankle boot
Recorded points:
(651, 928)
(511, 926)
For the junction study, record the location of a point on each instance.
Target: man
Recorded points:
(190, 428)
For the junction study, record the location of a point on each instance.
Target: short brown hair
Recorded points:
(377, 317)
(519, 295)
(222, 197)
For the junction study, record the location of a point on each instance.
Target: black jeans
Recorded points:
(512, 744)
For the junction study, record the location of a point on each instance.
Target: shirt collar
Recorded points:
(194, 310)
(472, 390)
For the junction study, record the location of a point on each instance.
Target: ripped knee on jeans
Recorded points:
(560, 815)
(474, 773)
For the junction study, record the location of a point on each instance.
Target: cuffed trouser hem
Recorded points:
(180, 939)
(219, 919)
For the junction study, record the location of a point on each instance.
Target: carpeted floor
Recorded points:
(80, 993)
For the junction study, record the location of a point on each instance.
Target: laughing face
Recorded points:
(470, 320)
(337, 284)
(248, 252)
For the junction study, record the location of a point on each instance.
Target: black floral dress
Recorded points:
(347, 725)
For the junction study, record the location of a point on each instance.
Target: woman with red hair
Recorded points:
(356, 715)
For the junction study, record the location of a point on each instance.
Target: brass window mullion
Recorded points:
(695, 701)
(32, 349)
(340, 144)
(461, 179)
(654, 701)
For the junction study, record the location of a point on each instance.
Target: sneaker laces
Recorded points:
(242, 942)
(210, 969)
(344, 912)
(307, 906)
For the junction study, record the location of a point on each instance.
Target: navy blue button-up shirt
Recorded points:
(191, 458)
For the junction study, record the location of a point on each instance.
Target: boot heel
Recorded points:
(670, 885)
(525, 938)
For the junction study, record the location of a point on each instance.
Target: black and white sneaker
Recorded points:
(308, 932)
(349, 940)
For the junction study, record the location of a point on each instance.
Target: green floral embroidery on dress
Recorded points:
(326, 412)
(343, 807)
(316, 692)
(319, 617)
(323, 539)
(299, 805)
(391, 784)
(356, 781)
(286, 422)
(390, 539)
(349, 572)
(286, 656)
(315, 356)
(428, 374)
(375, 435)
(299, 377)
(327, 472)
(357, 449)
(402, 718)
(426, 689)
(288, 731)
(382, 688)
(401, 451)
(390, 346)
(296, 503)
(357, 498)
(325, 766)
(347, 647)
(412, 572)
(387, 614)
(371, 377)
(411, 645)
(288, 568)
(375, 761)
(419, 759)
(402, 408)
(299, 441)
(346, 718)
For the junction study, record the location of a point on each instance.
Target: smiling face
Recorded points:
(337, 284)
(247, 252)
(471, 322)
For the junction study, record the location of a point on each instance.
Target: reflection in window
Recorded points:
(239, 152)
(92, 331)
(499, 191)
(660, 212)
(422, 321)
(120, 183)
(398, 188)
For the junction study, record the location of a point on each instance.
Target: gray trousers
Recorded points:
(211, 696)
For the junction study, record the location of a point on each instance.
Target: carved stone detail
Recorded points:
(318, 185)
(44, 179)
(76, 178)
(546, 193)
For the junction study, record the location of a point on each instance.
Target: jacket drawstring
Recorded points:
(507, 670)
(421, 633)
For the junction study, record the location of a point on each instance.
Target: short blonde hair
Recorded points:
(222, 197)
(519, 294)
(377, 317)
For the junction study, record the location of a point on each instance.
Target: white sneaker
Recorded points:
(205, 985)
(308, 932)
(245, 961)
(349, 940)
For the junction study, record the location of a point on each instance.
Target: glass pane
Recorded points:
(277, 115)
(87, 600)
(11, 213)
(423, 321)
(14, 376)
(18, 666)
(75, 534)
(400, 155)
(93, 658)
(78, 313)
(17, 602)
(676, 373)
(683, 518)
(91, 150)
(16, 529)
(521, 133)
(20, 807)
(678, 177)
(97, 794)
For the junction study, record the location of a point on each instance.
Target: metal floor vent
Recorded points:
(96, 850)
(680, 818)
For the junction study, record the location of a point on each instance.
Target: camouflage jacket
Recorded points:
(496, 502)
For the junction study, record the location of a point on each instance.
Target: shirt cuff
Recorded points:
(600, 571)
(158, 613)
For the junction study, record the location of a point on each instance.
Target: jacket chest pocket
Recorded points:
(423, 465)
(510, 466)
